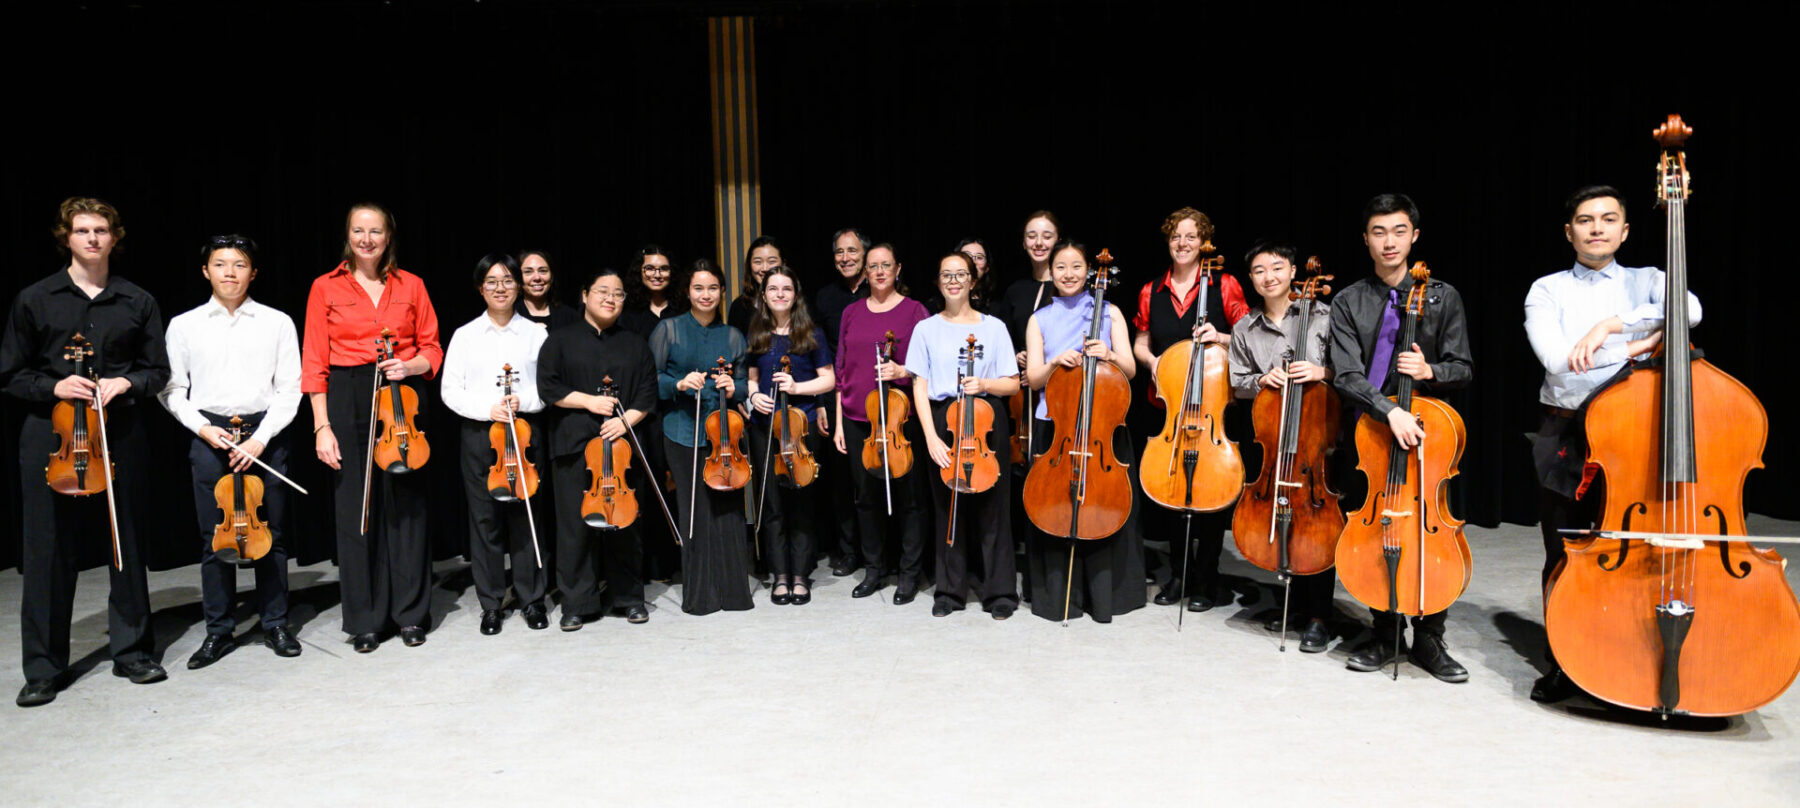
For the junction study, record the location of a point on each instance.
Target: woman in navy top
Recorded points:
(782, 327)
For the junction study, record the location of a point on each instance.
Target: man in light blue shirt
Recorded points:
(1585, 323)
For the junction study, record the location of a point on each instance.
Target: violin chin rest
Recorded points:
(502, 494)
(597, 521)
(398, 468)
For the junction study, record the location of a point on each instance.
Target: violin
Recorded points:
(80, 434)
(400, 446)
(1078, 488)
(1288, 520)
(512, 477)
(1020, 442)
(241, 536)
(973, 467)
(797, 468)
(1652, 612)
(1191, 466)
(887, 449)
(609, 503)
(1403, 551)
(727, 467)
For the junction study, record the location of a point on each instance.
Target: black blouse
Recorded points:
(575, 358)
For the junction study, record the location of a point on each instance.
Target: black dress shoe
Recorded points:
(141, 672)
(1553, 687)
(569, 621)
(281, 641)
(942, 608)
(365, 643)
(798, 597)
(535, 618)
(1003, 610)
(37, 693)
(211, 650)
(1430, 652)
(413, 636)
(843, 567)
(637, 614)
(491, 621)
(1169, 595)
(1374, 654)
(871, 583)
(1200, 603)
(904, 594)
(1315, 637)
(780, 595)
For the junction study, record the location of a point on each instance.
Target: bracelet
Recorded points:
(319, 427)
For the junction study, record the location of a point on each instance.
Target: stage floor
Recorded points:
(860, 702)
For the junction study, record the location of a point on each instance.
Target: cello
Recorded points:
(886, 449)
(1289, 520)
(1656, 610)
(240, 537)
(1078, 488)
(1403, 551)
(973, 468)
(609, 503)
(81, 433)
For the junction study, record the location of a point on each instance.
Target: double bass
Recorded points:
(81, 445)
(1289, 520)
(1078, 488)
(1656, 611)
(241, 536)
(609, 502)
(1403, 551)
(973, 467)
(887, 449)
(1191, 466)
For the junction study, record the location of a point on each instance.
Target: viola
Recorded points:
(1288, 520)
(400, 445)
(1078, 488)
(727, 466)
(512, 477)
(886, 449)
(609, 503)
(798, 468)
(1669, 620)
(1191, 466)
(973, 467)
(74, 467)
(1403, 551)
(241, 536)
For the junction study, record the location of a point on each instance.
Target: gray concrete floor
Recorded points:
(860, 702)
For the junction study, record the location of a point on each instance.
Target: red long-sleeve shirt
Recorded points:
(342, 325)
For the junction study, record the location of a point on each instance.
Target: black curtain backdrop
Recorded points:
(583, 130)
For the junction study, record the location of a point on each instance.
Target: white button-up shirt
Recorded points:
(233, 364)
(472, 365)
(1563, 307)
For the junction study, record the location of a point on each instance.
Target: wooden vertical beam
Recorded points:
(737, 184)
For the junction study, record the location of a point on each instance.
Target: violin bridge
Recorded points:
(1284, 484)
(1395, 514)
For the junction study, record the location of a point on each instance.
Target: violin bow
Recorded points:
(369, 453)
(887, 482)
(112, 508)
(694, 481)
(655, 484)
(762, 499)
(512, 426)
(238, 448)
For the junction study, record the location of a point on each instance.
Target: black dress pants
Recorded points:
(585, 555)
(502, 530)
(384, 575)
(789, 526)
(57, 527)
(984, 521)
(218, 578)
(874, 523)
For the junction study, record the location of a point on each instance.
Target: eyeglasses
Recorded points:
(953, 276)
(660, 270)
(611, 295)
(883, 267)
(498, 283)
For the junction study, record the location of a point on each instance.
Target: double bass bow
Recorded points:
(1191, 466)
(973, 467)
(1288, 520)
(1403, 551)
(512, 477)
(886, 448)
(1078, 488)
(1658, 610)
(81, 434)
(241, 536)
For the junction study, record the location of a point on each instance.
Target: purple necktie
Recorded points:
(1383, 357)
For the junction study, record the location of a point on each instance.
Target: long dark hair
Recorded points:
(637, 296)
(549, 291)
(750, 288)
(981, 293)
(800, 321)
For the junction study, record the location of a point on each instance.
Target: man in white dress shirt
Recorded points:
(1585, 323)
(233, 356)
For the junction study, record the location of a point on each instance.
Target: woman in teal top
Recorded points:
(715, 559)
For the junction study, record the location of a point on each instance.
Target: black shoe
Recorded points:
(1271, 620)
(942, 608)
(1430, 652)
(1553, 687)
(1170, 594)
(904, 593)
(365, 643)
(535, 618)
(779, 595)
(1202, 602)
(281, 641)
(842, 567)
(491, 621)
(1315, 637)
(871, 583)
(798, 597)
(141, 672)
(1375, 654)
(1003, 610)
(637, 614)
(413, 636)
(570, 621)
(214, 647)
(37, 693)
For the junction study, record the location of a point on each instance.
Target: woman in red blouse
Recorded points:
(384, 574)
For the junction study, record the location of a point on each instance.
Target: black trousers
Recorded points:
(873, 522)
(838, 518)
(218, 578)
(502, 530)
(384, 575)
(983, 521)
(585, 555)
(57, 526)
(789, 527)
(1559, 452)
